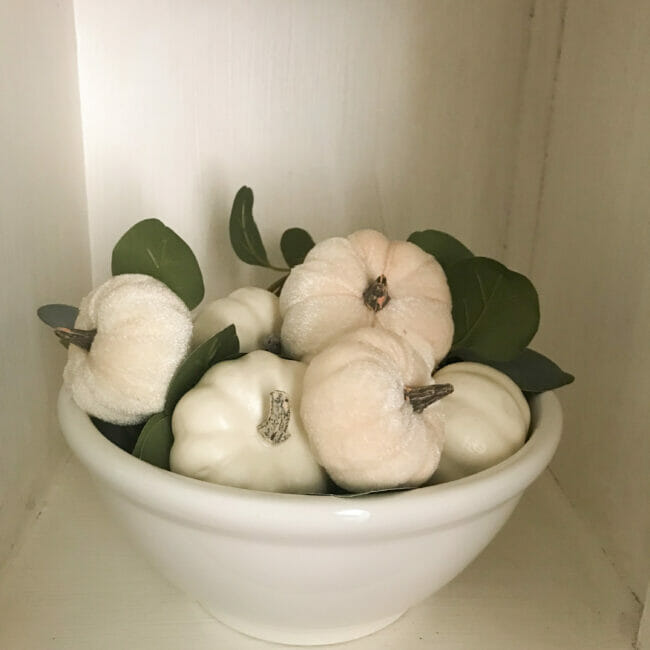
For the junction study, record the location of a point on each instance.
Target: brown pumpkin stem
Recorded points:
(376, 295)
(274, 428)
(423, 396)
(81, 338)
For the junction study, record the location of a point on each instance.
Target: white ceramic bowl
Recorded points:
(308, 569)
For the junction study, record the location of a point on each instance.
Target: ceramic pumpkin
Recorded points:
(254, 312)
(241, 426)
(366, 280)
(486, 419)
(369, 408)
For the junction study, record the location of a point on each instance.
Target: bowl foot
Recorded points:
(306, 636)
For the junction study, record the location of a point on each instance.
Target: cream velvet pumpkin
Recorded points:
(366, 280)
(142, 332)
(360, 406)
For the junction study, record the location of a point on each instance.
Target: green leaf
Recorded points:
(124, 436)
(58, 315)
(530, 370)
(445, 248)
(155, 441)
(223, 345)
(151, 248)
(295, 244)
(495, 310)
(244, 235)
(351, 495)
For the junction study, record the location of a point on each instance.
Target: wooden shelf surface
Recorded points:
(75, 582)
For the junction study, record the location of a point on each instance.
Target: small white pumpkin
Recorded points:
(366, 280)
(131, 334)
(255, 313)
(486, 419)
(241, 426)
(368, 409)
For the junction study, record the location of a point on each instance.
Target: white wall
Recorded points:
(591, 263)
(397, 115)
(44, 242)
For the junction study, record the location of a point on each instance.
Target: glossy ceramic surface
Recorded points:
(308, 569)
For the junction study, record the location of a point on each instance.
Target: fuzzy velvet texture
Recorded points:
(362, 429)
(143, 334)
(323, 297)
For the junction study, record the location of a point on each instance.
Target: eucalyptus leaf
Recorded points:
(295, 244)
(124, 436)
(530, 370)
(351, 495)
(151, 248)
(445, 248)
(223, 345)
(58, 315)
(495, 310)
(156, 440)
(244, 236)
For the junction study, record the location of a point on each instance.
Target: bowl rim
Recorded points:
(241, 511)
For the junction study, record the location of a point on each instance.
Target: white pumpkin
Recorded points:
(486, 419)
(136, 331)
(366, 280)
(364, 406)
(255, 313)
(241, 426)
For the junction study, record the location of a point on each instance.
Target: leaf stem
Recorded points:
(276, 286)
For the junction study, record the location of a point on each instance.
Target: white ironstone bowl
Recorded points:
(308, 569)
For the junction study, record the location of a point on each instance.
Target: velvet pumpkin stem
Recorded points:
(81, 338)
(376, 295)
(422, 396)
(274, 428)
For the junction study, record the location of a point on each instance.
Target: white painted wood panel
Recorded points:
(43, 245)
(643, 639)
(592, 247)
(537, 103)
(394, 115)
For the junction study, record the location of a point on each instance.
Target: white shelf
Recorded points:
(543, 583)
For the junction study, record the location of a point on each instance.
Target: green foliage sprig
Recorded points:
(495, 310)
